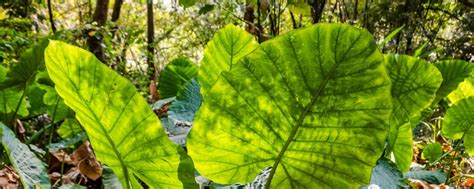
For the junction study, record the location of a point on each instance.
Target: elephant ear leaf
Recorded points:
(124, 132)
(414, 85)
(9, 97)
(459, 123)
(454, 72)
(32, 171)
(227, 47)
(293, 105)
(25, 71)
(464, 90)
(175, 75)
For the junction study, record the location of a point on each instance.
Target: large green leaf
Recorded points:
(175, 75)
(314, 104)
(124, 132)
(464, 90)
(403, 147)
(32, 171)
(454, 72)
(459, 123)
(225, 49)
(414, 84)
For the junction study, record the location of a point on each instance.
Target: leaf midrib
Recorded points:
(109, 139)
(314, 98)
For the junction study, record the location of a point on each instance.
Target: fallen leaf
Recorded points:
(87, 162)
(9, 179)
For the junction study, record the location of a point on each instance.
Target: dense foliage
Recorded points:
(307, 94)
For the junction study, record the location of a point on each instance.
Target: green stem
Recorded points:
(37, 134)
(467, 175)
(62, 171)
(52, 121)
(19, 104)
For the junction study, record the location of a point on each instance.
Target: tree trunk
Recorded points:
(151, 49)
(116, 11)
(356, 11)
(101, 12)
(51, 19)
(95, 40)
(317, 7)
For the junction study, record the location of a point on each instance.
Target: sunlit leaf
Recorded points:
(464, 90)
(454, 72)
(459, 123)
(313, 103)
(414, 84)
(123, 130)
(225, 49)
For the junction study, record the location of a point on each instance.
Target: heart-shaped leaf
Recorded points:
(459, 123)
(414, 85)
(225, 49)
(314, 104)
(464, 90)
(124, 132)
(454, 72)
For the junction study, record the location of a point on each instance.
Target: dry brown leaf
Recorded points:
(20, 130)
(153, 90)
(9, 179)
(62, 156)
(70, 177)
(419, 184)
(87, 162)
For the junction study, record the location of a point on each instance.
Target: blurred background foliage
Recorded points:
(431, 29)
